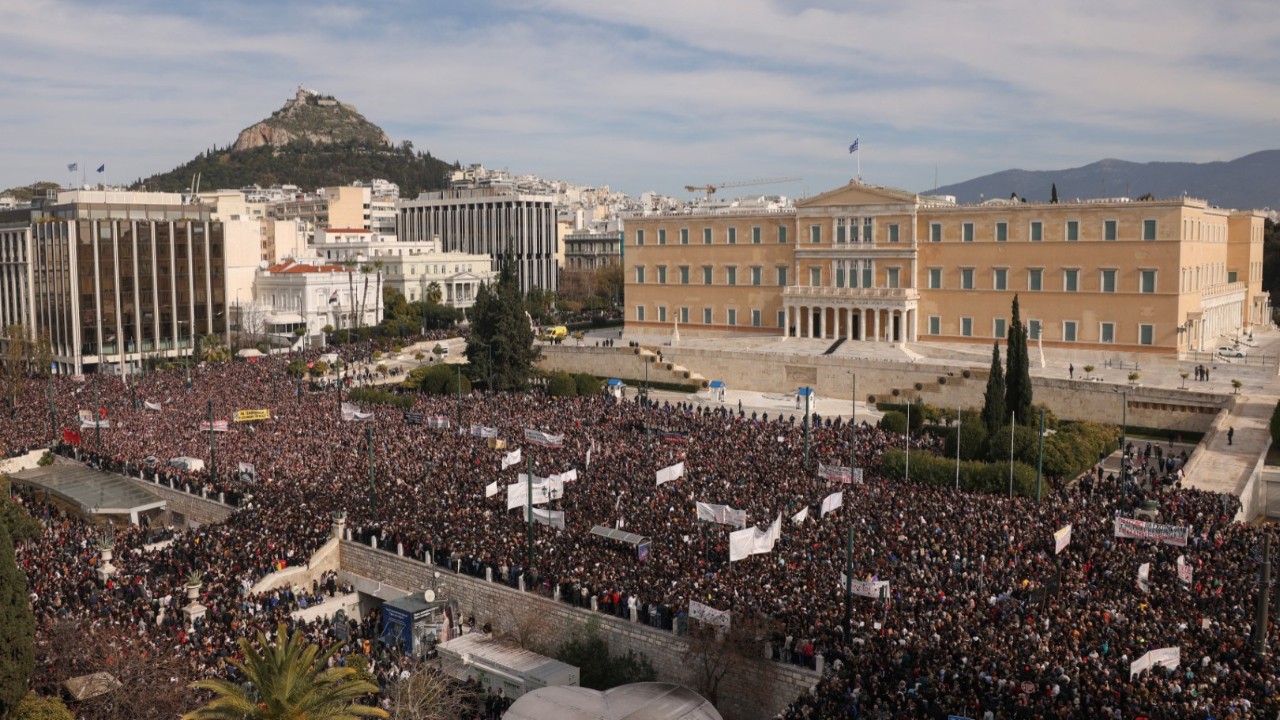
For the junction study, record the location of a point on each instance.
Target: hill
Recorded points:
(1247, 182)
(312, 141)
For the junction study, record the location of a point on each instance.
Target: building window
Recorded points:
(1069, 330)
(639, 238)
(893, 232)
(998, 328)
(706, 236)
(1107, 333)
(782, 234)
(1002, 232)
(1071, 280)
(1035, 276)
(815, 233)
(639, 313)
(1108, 281)
(684, 315)
(1000, 277)
(935, 232)
(1109, 230)
(755, 318)
(639, 274)
(755, 235)
(867, 275)
(733, 317)
(732, 236)
(868, 230)
(706, 316)
(891, 277)
(1231, 276)
(706, 275)
(756, 275)
(1037, 231)
(1033, 329)
(731, 275)
(815, 276)
(1148, 229)
(662, 313)
(684, 274)
(782, 277)
(782, 318)
(966, 326)
(840, 231)
(662, 274)
(966, 278)
(1148, 281)
(662, 236)
(935, 278)
(1073, 230)
(935, 325)
(1146, 334)
(966, 232)
(684, 236)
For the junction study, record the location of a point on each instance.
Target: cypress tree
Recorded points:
(500, 329)
(1053, 194)
(993, 400)
(17, 629)
(1018, 373)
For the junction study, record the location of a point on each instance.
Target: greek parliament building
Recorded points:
(873, 264)
(497, 222)
(111, 277)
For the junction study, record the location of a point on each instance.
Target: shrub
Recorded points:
(561, 384)
(45, 460)
(419, 356)
(893, 421)
(381, 397)
(587, 383)
(929, 469)
(319, 368)
(36, 707)
(436, 380)
(973, 438)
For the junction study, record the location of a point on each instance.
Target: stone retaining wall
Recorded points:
(191, 508)
(757, 690)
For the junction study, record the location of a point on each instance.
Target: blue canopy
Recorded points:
(717, 383)
(614, 382)
(804, 391)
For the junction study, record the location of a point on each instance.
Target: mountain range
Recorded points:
(1249, 182)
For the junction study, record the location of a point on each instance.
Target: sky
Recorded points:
(652, 95)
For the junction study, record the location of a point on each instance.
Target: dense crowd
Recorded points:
(982, 618)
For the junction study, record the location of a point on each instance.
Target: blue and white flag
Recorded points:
(102, 167)
(72, 167)
(854, 147)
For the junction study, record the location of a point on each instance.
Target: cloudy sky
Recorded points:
(652, 95)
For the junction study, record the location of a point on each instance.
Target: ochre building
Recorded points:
(873, 264)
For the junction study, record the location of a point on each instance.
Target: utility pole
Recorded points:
(848, 585)
(459, 369)
(1040, 460)
(53, 415)
(373, 491)
(97, 412)
(1264, 596)
(338, 362)
(853, 421)
(906, 466)
(957, 448)
(807, 394)
(528, 503)
(1013, 420)
(213, 462)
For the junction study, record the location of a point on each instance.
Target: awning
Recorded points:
(717, 383)
(614, 382)
(284, 319)
(619, 535)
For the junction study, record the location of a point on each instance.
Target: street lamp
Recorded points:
(1124, 434)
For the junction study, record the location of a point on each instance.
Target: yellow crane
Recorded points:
(711, 189)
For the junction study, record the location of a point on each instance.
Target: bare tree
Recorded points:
(430, 695)
(525, 624)
(713, 654)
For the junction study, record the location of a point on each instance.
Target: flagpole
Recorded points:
(957, 448)
(373, 492)
(528, 478)
(906, 467)
(853, 421)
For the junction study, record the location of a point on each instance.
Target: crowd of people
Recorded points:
(982, 617)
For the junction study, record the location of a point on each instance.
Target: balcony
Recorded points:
(838, 293)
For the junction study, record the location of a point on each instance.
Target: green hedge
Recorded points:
(438, 379)
(561, 384)
(975, 476)
(588, 384)
(894, 422)
(380, 397)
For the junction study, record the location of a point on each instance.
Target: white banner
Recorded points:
(150, 405)
(1169, 657)
(491, 489)
(218, 426)
(1144, 577)
(1184, 570)
(511, 458)
(544, 490)
(438, 422)
(709, 615)
(754, 541)
(834, 501)
(667, 474)
(351, 412)
(537, 437)
(566, 476)
(483, 432)
(1137, 529)
(1061, 538)
(554, 518)
(877, 589)
(801, 516)
(722, 514)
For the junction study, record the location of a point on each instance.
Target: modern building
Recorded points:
(592, 249)
(497, 222)
(875, 264)
(113, 278)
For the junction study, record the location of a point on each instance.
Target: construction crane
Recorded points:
(711, 189)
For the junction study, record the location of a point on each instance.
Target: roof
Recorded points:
(512, 659)
(290, 266)
(347, 230)
(94, 492)
(619, 535)
(636, 701)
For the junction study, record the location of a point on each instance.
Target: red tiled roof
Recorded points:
(292, 267)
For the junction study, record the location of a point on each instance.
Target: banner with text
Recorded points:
(249, 415)
(722, 514)
(537, 437)
(1169, 657)
(1140, 530)
(554, 518)
(709, 615)
(483, 432)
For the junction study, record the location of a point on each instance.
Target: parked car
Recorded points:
(1231, 352)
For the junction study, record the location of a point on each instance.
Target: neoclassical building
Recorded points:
(874, 264)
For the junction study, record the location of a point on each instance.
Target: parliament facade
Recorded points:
(874, 264)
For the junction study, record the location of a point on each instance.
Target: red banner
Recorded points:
(71, 436)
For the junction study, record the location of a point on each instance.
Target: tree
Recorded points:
(34, 707)
(430, 695)
(212, 349)
(993, 399)
(1017, 396)
(712, 653)
(588, 650)
(17, 629)
(500, 347)
(287, 680)
(1053, 194)
(434, 293)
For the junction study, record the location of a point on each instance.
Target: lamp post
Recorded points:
(53, 419)
(97, 413)
(1040, 458)
(957, 448)
(808, 393)
(1013, 420)
(1124, 434)
(1264, 595)
(373, 492)
(213, 462)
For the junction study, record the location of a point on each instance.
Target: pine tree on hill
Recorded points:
(993, 399)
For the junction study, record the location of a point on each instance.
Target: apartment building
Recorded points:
(876, 264)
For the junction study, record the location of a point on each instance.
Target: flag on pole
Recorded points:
(72, 167)
(511, 458)
(1061, 538)
(491, 489)
(854, 147)
(102, 168)
(801, 516)
(832, 502)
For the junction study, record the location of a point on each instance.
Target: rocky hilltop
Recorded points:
(315, 118)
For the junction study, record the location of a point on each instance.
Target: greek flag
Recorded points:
(72, 167)
(854, 147)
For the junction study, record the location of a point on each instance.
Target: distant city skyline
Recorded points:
(651, 96)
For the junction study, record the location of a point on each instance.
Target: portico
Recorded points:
(866, 314)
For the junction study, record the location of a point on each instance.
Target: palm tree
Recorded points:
(434, 293)
(287, 681)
